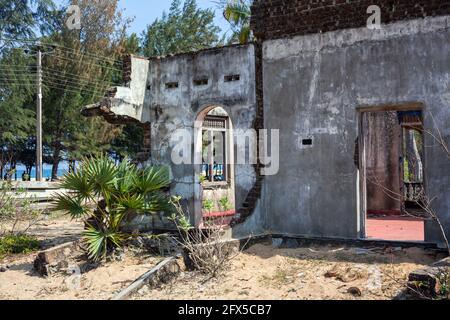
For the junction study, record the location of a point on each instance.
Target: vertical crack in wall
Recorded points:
(249, 205)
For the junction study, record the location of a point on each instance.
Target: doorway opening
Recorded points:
(392, 174)
(217, 170)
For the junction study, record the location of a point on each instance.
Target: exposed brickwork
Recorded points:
(126, 69)
(282, 18)
(145, 153)
(249, 205)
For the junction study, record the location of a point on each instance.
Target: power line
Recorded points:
(86, 63)
(76, 81)
(4, 66)
(64, 83)
(30, 80)
(52, 45)
(72, 76)
(55, 85)
(101, 90)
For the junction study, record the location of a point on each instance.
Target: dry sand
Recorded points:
(321, 272)
(21, 282)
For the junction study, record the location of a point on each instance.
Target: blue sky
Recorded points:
(146, 11)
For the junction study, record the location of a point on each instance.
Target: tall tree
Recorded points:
(16, 105)
(78, 72)
(19, 19)
(185, 28)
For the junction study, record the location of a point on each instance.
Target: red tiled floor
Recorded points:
(396, 228)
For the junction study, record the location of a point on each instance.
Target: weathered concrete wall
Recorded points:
(125, 103)
(170, 109)
(313, 86)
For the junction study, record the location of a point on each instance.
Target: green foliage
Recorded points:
(21, 18)
(444, 280)
(16, 107)
(180, 219)
(106, 195)
(225, 204)
(238, 14)
(16, 210)
(128, 143)
(185, 28)
(208, 205)
(17, 244)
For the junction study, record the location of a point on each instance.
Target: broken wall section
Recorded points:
(179, 88)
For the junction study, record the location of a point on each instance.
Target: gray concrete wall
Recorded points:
(313, 86)
(170, 109)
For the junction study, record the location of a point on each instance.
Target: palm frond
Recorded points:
(152, 179)
(126, 175)
(101, 173)
(99, 242)
(78, 182)
(237, 12)
(71, 205)
(158, 202)
(131, 203)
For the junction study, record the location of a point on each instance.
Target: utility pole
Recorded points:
(39, 117)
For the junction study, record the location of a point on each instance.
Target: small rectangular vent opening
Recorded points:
(233, 77)
(201, 82)
(307, 142)
(171, 85)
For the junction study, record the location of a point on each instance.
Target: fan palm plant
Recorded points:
(238, 13)
(106, 195)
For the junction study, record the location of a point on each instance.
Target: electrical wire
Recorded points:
(86, 63)
(53, 45)
(55, 85)
(49, 77)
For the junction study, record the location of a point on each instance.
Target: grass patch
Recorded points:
(14, 244)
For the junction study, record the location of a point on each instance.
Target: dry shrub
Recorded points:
(204, 250)
(17, 212)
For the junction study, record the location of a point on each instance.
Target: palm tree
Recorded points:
(238, 13)
(106, 195)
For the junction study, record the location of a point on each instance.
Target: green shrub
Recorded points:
(225, 204)
(208, 205)
(17, 214)
(106, 196)
(16, 244)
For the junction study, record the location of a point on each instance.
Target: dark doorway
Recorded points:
(393, 174)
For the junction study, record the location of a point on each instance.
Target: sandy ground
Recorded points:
(55, 231)
(20, 282)
(314, 273)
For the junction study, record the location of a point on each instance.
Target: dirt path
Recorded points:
(265, 272)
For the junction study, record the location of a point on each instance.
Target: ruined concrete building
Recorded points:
(351, 104)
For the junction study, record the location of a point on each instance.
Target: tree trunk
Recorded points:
(56, 153)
